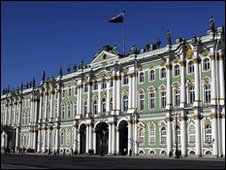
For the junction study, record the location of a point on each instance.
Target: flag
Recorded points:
(118, 19)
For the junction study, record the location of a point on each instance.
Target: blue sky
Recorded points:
(37, 36)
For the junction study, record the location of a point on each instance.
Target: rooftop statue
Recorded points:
(33, 82)
(148, 45)
(212, 23)
(158, 43)
(168, 36)
(75, 67)
(114, 49)
(21, 86)
(68, 69)
(60, 71)
(133, 49)
(81, 65)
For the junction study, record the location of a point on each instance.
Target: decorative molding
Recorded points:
(182, 63)
(197, 60)
(169, 66)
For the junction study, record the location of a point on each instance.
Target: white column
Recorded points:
(17, 137)
(51, 105)
(32, 109)
(114, 139)
(213, 81)
(169, 137)
(114, 96)
(117, 141)
(78, 101)
(19, 113)
(183, 120)
(58, 104)
(10, 113)
(134, 93)
(214, 131)
(130, 97)
(39, 140)
(7, 112)
(168, 92)
(57, 139)
(223, 130)
(99, 97)
(108, 97)
(40, 107)
(182, 84)
(75, 146)
(30, 138)
(34, 139)
(49, 138)
(44, 139)
(81, 100)
(198, 142)
(87, 138)
(14, 114)
(46, 106)
(94, 141)
(90, 137)
(89, 100)
(118, 94)
(78, 141)
(136, 137)
(110, 138)
(36, 110)
(221, 79)
(197, 81)
(130, 136)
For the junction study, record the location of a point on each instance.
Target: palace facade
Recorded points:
(153, 101)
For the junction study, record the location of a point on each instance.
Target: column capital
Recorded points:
(168, 66)
(197, 117)
(182, 63)
(197, 60)
(184, 118)
(221, 57)
(168, 119)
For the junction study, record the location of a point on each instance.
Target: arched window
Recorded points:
(62, 111)
(95, 107)
(103, 84)
(192, 134)
(190, 67)
(95, 85)
(85, 107)
(62, 138)
(163, 72)
(86, 88)
(152, 100)
(176, 70)
(141, 135)
(152, 135)
(69, 110)
(125, 103)
(141, 77)
(163, 99)
(208, 134)
(163, 135)
(152, 75)
(111, 103)
(206, 64)
(177, 137)
(177, 97)
(103, 105)
(191, 94)
(69, 92)
(125, 79)
(141, 103)
(207, 93)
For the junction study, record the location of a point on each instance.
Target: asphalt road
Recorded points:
(11, 161)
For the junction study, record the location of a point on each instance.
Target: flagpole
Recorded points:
(123, 34)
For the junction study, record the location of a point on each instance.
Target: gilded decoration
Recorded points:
(212, 57)
(221, 57)
(169, 66)
(162, 88)
(175, 60)
(182, 63)
(189, 52)
(185, 118)
(205, 54)
(168, 119)
(162, 63)
(207, 122)
(195, 117)
(125, 71)
(162, 124)
(197, 60)
(152, 125)
(213, 115)
(104, 63)
(140, 68)
(206, 81)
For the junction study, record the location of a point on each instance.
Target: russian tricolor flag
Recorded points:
(118, 19)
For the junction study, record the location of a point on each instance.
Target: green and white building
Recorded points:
(151, 102)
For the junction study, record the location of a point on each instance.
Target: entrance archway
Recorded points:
(123, 137)
(82, 139)
(102, 138)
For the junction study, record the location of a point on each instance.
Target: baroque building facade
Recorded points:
(150, 102)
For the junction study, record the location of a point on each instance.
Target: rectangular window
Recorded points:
(141, 102)
(152, 100)
(163, 99)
